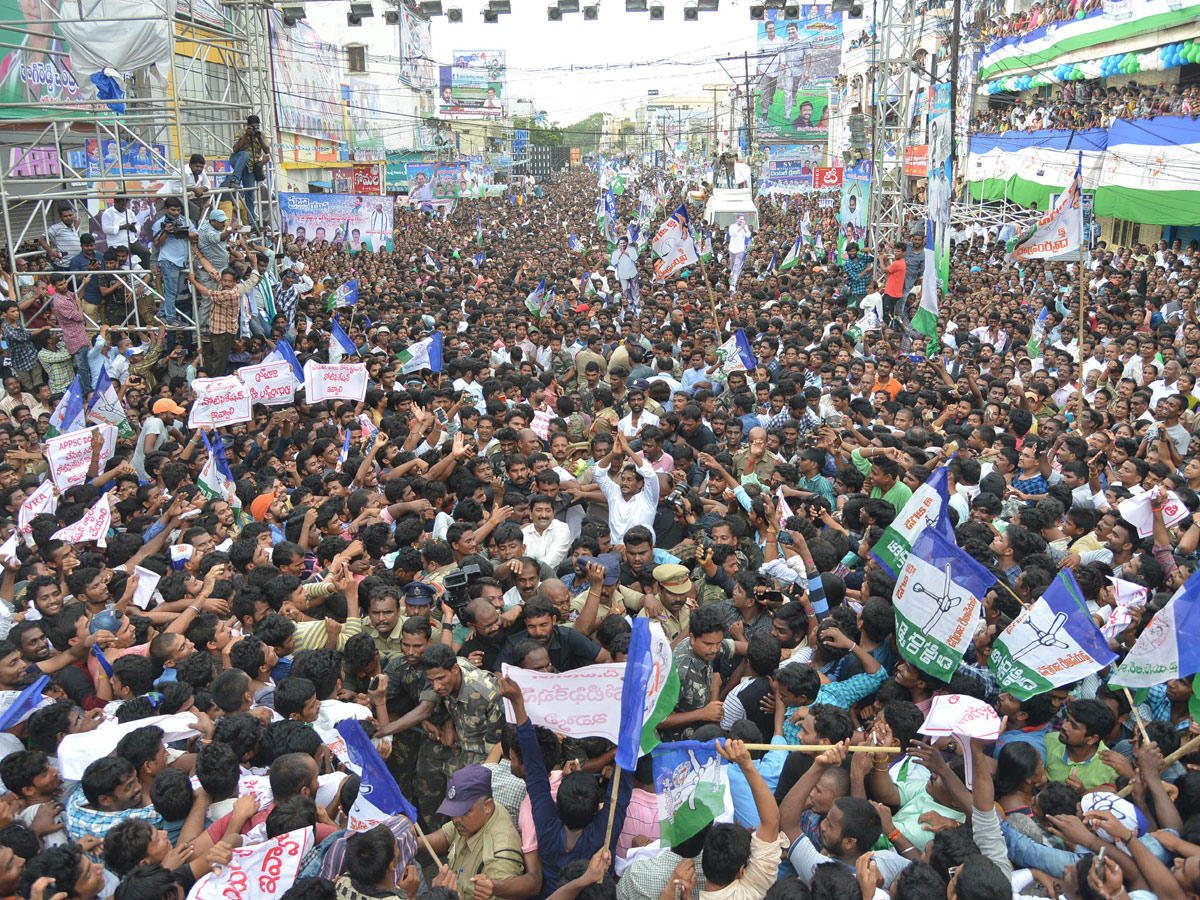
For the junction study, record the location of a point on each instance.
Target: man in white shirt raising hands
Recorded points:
(633, 499)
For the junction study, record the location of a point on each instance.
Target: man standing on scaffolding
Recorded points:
(246, 165)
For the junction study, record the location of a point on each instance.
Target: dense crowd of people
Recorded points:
(1080, 105)
(563, 474)
(1039, 15)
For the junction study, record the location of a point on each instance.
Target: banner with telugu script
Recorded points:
(581, 703)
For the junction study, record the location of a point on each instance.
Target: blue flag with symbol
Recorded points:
(346, 294)
(340, 345)
(1169, 647)
(31, 696)
(690, 782)
(283, 352)
(379, 797)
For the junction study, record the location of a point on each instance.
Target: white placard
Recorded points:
(257, 872)
(584, 702)
(43, 500)
(337, 381)
(92, 527)
(69, 455)
(219, 402)
(271, 384)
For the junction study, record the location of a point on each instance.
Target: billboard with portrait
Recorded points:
(308, 91)
(856, 190)
(359, 222)
(797, 63)
(473, 86)
(416, 49)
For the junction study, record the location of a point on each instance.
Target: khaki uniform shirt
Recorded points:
(494, 850)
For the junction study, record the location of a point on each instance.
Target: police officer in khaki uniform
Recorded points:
(482, 847)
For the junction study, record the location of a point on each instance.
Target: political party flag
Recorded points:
(533, 302)
(610, 217)
(1059, 232)
(925, 319)
(284, 353)
(648, 694)
(673, 245)
(690, 781)
(478, 230)
(735, 354)
(424, 354)
(105, 406)
(927, 506)
(379, 797)
(618, 185)
(69, 415)
(1169, 647)
(770, 266)
(340, 345)
(479, 259)
(938, 597)
(792, 257)
(1051, 643)
(547, 304)
(344, 453)
(345, 295)
(870, 321)
(574, 244)
(600, 215)
(805, 227)
(704, 247)
(1034, 345)
(216, 480)
(27, 701)
(430, 261)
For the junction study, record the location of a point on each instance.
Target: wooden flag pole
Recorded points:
(1178, 754)
(612, 803)
(428, 846)
(821, 748)
(1137, 716)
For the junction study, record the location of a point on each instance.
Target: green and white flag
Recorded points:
(938, 598)
(926, 508)
(793, 257)
(1051, 643)
(648, 694)
(105, 406)
(925, 319)
(690, 781)
(424, 354)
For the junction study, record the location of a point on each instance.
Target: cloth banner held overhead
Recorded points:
(690, 781)
(92, 527)
(1059, 232)
(584, 702)
(1169, 647)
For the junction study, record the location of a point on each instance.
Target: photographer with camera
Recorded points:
(246, 165)
(172, 232)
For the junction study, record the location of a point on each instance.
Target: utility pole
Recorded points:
(749, 107)
(955, 38)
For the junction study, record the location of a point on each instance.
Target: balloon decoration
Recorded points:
(1170, 56)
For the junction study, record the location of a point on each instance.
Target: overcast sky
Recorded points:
(540, 52)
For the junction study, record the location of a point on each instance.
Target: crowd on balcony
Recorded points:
(1080, 105)
(1038, 16)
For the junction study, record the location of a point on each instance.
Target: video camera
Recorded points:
(456, 583)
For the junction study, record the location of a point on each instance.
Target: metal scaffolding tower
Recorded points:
(78, 153)
(898, 33)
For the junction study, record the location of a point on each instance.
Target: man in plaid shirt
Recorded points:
(855, 269)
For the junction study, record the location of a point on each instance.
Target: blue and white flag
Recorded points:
(792, 257)
(478, 230)
(379, 797)
(691, 782)
(533, 302)
(938, 598)
(346, 294)
(284, 353)
(430, 261)
(1034, 346)
(735, 354)
(574, 244)
(424, 354)
(69, 415)
(1051, 643)
(216, 480)
(30, 698)
(928, 506)
(344, 453)
(1169, 648)
(340, 345)
(180, 554)
(649, 692)
(479, 259)
(770, 266)
(105, 406)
